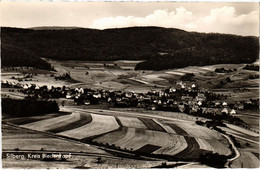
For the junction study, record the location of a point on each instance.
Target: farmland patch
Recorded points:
(196, 131)
(243, 161)
(151, 124)
(177, 129)
(131, 122)
(100, 124)
(192, 151)
(13, 137)
(112, 137)
(55, 123)
(214, 146)
(176, 144)
(167, 128)
(25, 120)
(84, 119)
(148, 148)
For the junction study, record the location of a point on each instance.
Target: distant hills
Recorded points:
(162, 48)
(54, 28)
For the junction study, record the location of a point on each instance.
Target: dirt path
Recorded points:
(237, 153)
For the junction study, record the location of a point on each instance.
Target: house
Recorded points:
(186, 98)
(141, 105)
(152, 107)
(37, 87)
(87, 102)
(161, 93)
(118, 99)
(217, 103)
(200, 97)
(239, 106)
(232, 112)
(97, 95)
(81, 90)
(199, 103)
(225, 110)
(170, 101)
(172, 90)
(69, 96)
(25, 87)
(224, 104)
(181, 108)
(129, 95)
(194, 109)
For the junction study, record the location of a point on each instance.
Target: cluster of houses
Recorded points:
(180, 98)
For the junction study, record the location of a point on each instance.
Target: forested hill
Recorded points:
(162, 47)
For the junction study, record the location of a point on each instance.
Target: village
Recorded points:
(183, 97)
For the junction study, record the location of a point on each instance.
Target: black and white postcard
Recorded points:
(132, 85)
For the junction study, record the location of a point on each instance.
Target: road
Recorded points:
(237, 153)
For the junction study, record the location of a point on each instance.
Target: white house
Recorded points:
(232, 112)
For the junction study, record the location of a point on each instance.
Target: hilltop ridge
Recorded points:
(162, 48)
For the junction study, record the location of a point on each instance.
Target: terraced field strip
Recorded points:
(203, 144)
(197, 70)
(148, 148)
(178, 130)
(26, 120)
(246, 139)
(131, 122)
(243, 161)
(128, 136)
(112, 137)
(197, 131)
(175, 73)
(151, 124)
(26, 139)
(221, 146)
(123, 113)
(192, 151)
(242, 130)
(100, 124)
(185, 71)
(214, 146)
(84, 119)
(167, 128)
(54, 123)
(234, 132)
(175, 146)
(131, 138)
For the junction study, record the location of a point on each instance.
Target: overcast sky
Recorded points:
(235, 18)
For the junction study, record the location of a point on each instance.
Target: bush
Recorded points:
(187, 77)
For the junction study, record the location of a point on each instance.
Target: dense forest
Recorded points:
(162, 48)
(27, 107)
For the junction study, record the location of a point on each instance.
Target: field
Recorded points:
(143, 135)
(22, 139)
(144, 132)
(243, 162)
(16, 140)
(94, 74)
(97, 126)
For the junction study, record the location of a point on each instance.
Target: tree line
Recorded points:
(27, 107)
(162, 47)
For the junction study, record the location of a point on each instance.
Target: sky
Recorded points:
(234, 18)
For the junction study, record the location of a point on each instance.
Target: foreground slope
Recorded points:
(180, 139)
